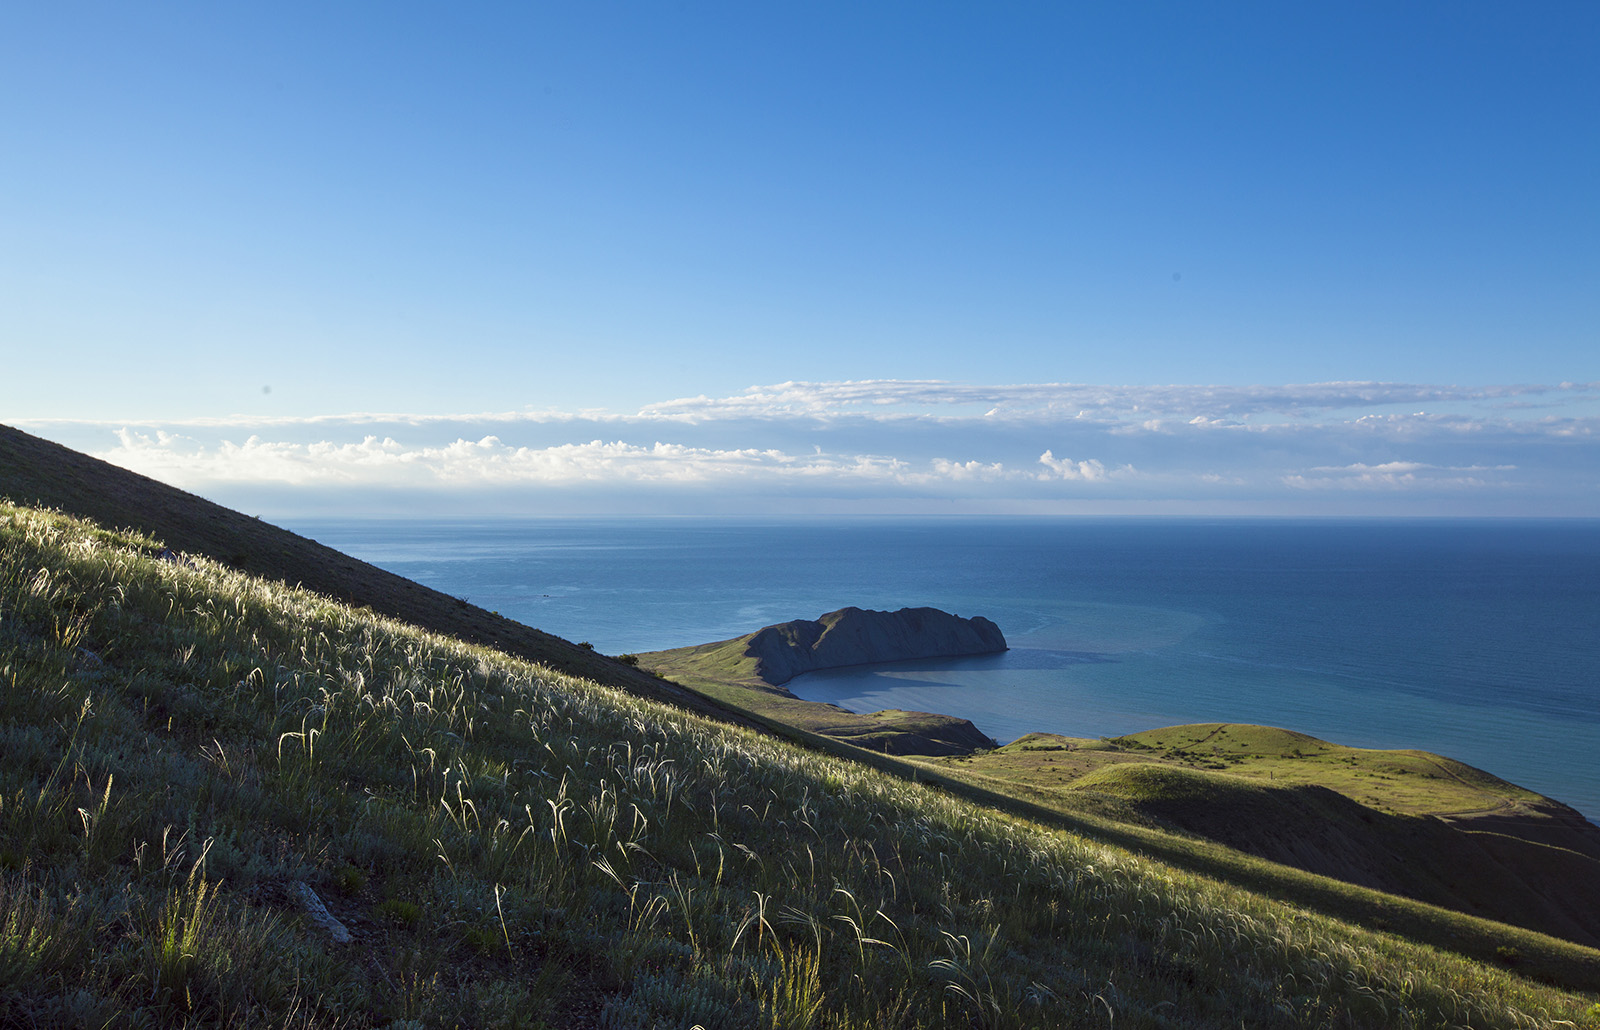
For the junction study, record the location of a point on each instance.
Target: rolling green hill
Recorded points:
(1405, 822)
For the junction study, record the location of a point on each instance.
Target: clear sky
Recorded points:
(1132, 257)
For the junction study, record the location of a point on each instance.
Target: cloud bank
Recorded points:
(903, 445)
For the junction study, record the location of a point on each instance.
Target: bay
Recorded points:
(1479, 639)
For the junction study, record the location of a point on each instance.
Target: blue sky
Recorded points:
(1267, 258)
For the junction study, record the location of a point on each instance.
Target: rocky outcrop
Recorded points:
(854, 636)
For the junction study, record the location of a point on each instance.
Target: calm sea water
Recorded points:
(1476, 639)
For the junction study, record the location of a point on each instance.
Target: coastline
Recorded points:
(1373, 633)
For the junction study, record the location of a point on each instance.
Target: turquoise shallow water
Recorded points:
(1477, 639)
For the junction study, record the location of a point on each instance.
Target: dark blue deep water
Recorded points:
(1479, 639)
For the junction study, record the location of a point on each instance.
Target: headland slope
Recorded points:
(750, 672)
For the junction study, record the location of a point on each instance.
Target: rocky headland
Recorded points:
(749, 672)
(855, 636)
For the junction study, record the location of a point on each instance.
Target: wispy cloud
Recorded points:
(923, 398)
(900, 399)
(890, 442)
(1401, 475)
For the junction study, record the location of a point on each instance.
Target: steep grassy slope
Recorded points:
(188, 751)
(38, 472)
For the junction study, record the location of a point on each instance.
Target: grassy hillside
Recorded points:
(190, 753)
(1405, 822)
(1406, 782)
(43, 474)
(1412, 824)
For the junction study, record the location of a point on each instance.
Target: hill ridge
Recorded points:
(40, 473)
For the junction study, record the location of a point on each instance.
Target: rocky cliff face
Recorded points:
(854, 636)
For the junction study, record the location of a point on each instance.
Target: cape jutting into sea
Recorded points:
(1478, 639)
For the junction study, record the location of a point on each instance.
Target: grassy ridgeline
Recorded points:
(183, 746)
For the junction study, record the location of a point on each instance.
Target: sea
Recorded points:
(1477, 639)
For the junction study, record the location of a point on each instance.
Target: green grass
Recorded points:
(42, 474)
(1506, 854)
(1406, 782)
(1402, 782)
(513, 847)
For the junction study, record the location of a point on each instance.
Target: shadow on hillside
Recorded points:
(1510, 879)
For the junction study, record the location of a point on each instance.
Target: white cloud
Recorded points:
(970, 471)
(489, 462)
(1090, 471)
(899, 440)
